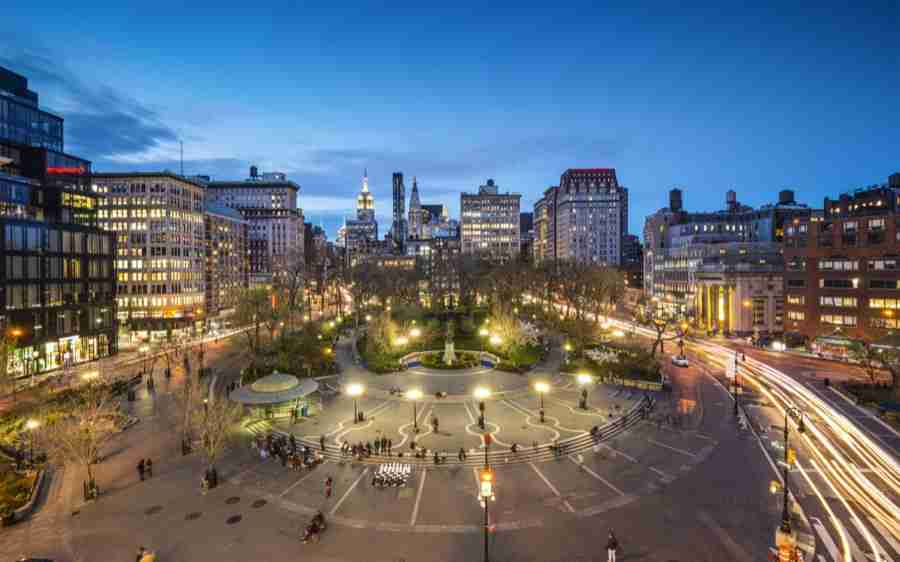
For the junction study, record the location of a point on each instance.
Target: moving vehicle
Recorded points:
(680, 361)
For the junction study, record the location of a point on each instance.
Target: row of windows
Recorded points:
(882, 284)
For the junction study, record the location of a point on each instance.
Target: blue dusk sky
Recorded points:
(754, 97)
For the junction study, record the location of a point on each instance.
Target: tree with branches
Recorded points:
(252, 308)
(87, 422)
(214, 418)
(876, 359)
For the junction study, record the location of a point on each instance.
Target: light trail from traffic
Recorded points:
(837, 449)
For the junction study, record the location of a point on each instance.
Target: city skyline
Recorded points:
(658, 107)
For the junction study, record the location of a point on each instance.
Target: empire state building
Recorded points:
(365, 202)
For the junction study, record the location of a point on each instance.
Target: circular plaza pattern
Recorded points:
(575, 461)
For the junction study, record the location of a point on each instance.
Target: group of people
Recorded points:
(359, 451)
(145, 468)
(287, 450)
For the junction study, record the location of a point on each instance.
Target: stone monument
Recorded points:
(449, 353)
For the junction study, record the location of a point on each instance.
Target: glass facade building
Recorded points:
(57, 298)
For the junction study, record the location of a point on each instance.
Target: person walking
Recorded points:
(329, 485)
(141, 468)
(390, 446)
(322, 442)
(612, 545)
(148, 466)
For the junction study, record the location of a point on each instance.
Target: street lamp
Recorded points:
(482, 393)
(414, 395)
(542, 387)
(355, 390)
(584, 379)
(496, 340)
(486, 478)
(415, 332)
(31, 424)
(402, 340)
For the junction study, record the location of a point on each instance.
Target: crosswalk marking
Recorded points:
(347, 493)
(888, 537)
(553, 489)
(415, 513)
(676, 449)
(865, 532)
(826, 539)
(597, 476)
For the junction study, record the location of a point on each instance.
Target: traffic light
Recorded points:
(486, 478)
(791, 456)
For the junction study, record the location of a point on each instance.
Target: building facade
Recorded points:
(399, 226)
(269, 203)
(227, 268)
(157, 218)
(361, 233)
(584, 219)
(842, 278)
(58, 302)
(489, 223)
(721, 270)
(416, 218)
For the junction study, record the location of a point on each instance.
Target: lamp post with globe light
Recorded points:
(584, 379)
(542, 388)
(482, 393)
(31, 424)
(355, 390)
(413, 396)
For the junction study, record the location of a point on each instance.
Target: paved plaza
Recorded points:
(653, 482)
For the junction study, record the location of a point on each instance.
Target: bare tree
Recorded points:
(291, 283)
(875, 359)
(252, 309)
(89, 419)
(214, 419)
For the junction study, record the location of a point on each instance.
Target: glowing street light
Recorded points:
(567, 346)
(355, 390)
(31, 424)
(368, 317)
(402, 340)
(584, 379)
(483, 332)
(496, 340)
(415, 332)
(414, 395)
(481, 393)
(542, 388)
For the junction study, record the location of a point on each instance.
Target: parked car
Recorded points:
(680, 361)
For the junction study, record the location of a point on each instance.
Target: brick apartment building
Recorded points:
(842, 269)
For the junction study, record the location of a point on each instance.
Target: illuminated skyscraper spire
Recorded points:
(365, 201)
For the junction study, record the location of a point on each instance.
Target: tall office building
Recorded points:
(157, 218)
(415, 213)
(227, 270)
(398, 228)
(361, 234)
(270, 204)
(583, 219)
(489, 223)
(56, 265)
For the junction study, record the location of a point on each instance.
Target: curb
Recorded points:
(25, 510)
